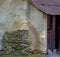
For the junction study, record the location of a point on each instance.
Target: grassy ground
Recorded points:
(35, 55)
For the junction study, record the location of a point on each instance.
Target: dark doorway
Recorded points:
(51, 32)
(57, 32)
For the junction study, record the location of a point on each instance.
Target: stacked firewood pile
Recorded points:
(17, 42)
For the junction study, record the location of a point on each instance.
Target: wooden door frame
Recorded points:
(51, 34)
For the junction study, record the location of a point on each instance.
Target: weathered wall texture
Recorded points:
(39, 21)
(11, 12)
(18, 15)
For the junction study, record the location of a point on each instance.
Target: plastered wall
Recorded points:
(18, 14)
(39, 20)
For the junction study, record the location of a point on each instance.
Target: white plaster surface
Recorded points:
(14, 15)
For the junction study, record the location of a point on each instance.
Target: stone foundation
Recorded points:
(17, 42)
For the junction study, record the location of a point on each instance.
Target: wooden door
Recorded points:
(51, 32)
